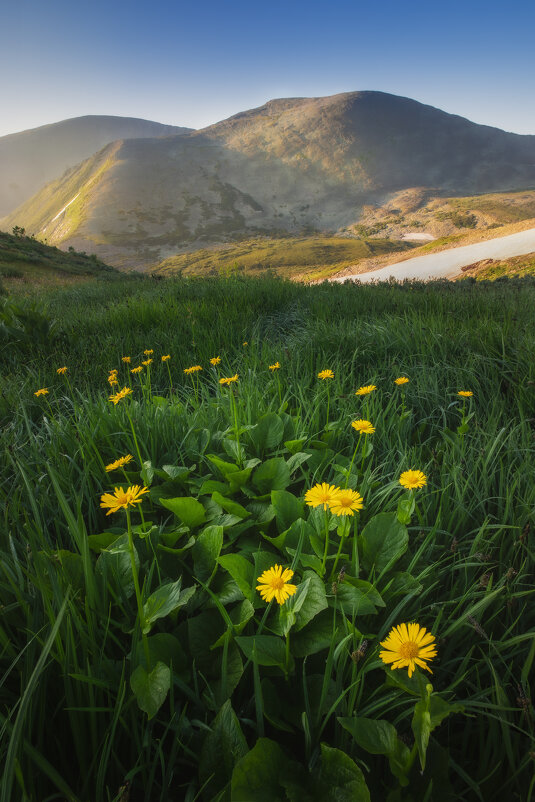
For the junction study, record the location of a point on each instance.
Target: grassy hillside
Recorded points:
(491, 269)
(25, 260)
(301, 258)
(141, 633)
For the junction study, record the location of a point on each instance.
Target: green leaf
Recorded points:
(147, 473)
(339, 779)
(294, 446)
(429, 713)
(288, 508)
(206, 550)
(102, 541)
(225, 468)
(315, 636)
(290, 608)
(221, 750)
(167, 649)
(230, 506)
(376, 736)
(406, 509)
(151, 689)
(314, 602)
(241, 570)
(384, 539)
(273, 474)
(256, 776)
(297, 459)
(164, 601)
(116, 568)
(189, 510)
(265, 650)
(354, 601)
(177, 472)
(268, 432)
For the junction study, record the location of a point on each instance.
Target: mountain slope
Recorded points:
(30, 159)
(291, 166)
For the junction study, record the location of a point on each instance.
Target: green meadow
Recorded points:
(138, 660)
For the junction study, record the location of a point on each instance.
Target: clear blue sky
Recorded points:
(194, 63)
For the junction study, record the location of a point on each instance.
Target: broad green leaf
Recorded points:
(166, 648)
(102, 541)
(221, 750)
(315, 636)
(189, 510)
(239, 616)
(211, 486)
(238, 479)
(294, 446)
(314, 602)
(147, 473)
(151, 689)
(429, 713)
(376, 736)
(354, 601)
(267, 649)
(268, 432)
(206, 550)
(405, 509)
(339, 779)
(178, 472)
(72, 566)
(241, 570)
(116, 568)
(230, 506)
(297, 459)
(164, 601)
(288, 508)
(273, 474)
(288, 611)
(384, 539)
(256, 775)
(225, 468)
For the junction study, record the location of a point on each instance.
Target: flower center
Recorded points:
(344, 501)
(409, 650)
(277, 583)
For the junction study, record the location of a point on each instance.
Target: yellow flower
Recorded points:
(325, 374)
(465, 393)
(120, 498)
(215, 360)
(146, 362)
(120, 395)
(366, 390)
(166, 357)
(62, 370)
(401, 380)
(112, 380)
(137, 370)
(363, 426)
(412, 479)
(245, 343)
(229, 379)
(193, 369)
(274, 584)
(42, 391)
(407, 646)
(321, 495)
(148, 351)
(126, 359)
(119, 463)
(113, 372)
(346, 502)
(276, 366)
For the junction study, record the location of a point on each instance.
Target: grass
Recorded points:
(305, 258)
(203, 691)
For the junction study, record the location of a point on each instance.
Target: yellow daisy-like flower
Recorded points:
(363, 426)
(275, 584)
(113, 372)
(120, 395)
(408, 646)
(346, 502)
(229, 379)
(126, 359)
(122, 499)
(42, 391)
(148, 351)
(413, 479)
(146, 362)
(465, 393)
(276, 366)
(325, 374)
(166, 357)
(401, 380)
(215, 360)
(137, 370)
(119, 463)
(366, 390)
(245, 343)
(112, 380)
(62, 371)
(193, 369)
(321, 495)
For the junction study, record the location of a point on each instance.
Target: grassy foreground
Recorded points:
(139, 662)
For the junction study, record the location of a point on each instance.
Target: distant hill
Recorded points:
(24, 259)
(30, 159)
(293, 166)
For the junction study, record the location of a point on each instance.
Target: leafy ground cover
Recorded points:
(141, 512)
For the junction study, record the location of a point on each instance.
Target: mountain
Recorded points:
(296, 165)
(29, 159)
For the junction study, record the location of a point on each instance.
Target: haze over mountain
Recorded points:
(292, 165)
(29, 159)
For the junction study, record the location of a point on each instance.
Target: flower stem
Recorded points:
(326, 542)
(356, 566)
(353, 459)
(139, 600)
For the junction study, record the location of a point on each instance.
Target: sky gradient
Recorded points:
(193, 64)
